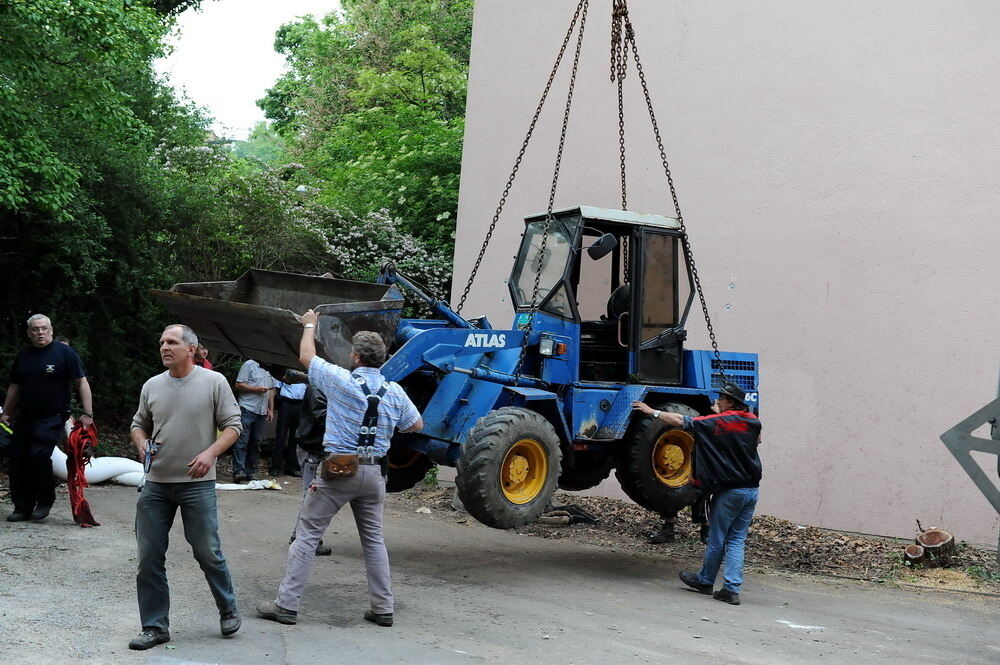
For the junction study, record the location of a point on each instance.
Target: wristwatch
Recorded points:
(84, 413)
(656, 415)
(309, 325)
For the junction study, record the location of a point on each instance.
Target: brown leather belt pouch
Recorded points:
(339, 466)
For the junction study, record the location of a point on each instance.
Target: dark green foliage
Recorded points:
(373, 107)
(107, 190)
(108, 186)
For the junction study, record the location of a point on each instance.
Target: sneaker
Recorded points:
(274, 612)
(691, 579)
(17, 516)
(384, 620)
(148, 639)
(230, 622)
(727, 596)
(323, 550)
(40, 513)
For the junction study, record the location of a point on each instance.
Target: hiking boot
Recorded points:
(664, 535)
(230, 622)
(691, 579)
(727, 596)
(40, 513)
(274, 612)
(384, 620)
(148, 639)
(17, 516)
(323, 550)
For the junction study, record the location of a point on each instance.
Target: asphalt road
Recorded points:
(465, 594)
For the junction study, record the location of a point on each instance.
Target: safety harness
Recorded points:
(369, 424)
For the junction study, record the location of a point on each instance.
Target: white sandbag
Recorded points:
(132, 478)
(100, 469)
(252, 485)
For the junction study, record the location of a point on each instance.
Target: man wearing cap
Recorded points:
(727, 465)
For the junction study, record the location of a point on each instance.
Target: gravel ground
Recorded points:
(773, 544)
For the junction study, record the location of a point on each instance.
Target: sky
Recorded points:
(224, 59)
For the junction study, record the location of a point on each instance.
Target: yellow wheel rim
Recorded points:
(523, 471)
(672, 458)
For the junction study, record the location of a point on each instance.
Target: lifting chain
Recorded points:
(621, 33)
(622, 46)
(580, 9)
(627, 39)
(533, 309)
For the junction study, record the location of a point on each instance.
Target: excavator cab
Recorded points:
(621, 278)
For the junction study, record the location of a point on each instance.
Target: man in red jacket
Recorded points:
(727, 465)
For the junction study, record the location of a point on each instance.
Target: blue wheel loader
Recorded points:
(601, 298)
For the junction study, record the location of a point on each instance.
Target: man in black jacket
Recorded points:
(728, 467)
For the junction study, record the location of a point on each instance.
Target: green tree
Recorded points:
(373, 107)
(263, 145)
(108, 190)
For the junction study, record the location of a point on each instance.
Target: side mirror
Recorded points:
(602, 246)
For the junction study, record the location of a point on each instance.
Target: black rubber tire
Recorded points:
(588, 470)
(635, 465)
(406, 468)
(479, 468)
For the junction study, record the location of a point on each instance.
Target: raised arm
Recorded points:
(307, 346)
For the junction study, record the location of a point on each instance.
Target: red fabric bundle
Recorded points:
(80, 439)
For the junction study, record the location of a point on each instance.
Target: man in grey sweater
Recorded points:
(193, 417)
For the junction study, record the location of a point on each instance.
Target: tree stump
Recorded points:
(939, 546)
(913, 554)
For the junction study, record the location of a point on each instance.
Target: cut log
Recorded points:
(939, 546)
(913, 554)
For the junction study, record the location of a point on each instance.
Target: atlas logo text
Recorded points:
(486, 340)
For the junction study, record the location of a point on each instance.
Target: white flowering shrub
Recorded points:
(360, 246)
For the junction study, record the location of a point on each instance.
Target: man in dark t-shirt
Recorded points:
(39, 401)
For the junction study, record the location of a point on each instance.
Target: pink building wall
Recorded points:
(838, 165)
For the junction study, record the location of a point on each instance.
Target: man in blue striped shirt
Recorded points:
(347, 403)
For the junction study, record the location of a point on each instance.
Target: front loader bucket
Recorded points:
(256, 316)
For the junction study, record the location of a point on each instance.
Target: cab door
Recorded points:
(657, 340)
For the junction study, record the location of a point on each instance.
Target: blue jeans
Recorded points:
(247, 447)
(728, 525)
(154, 515)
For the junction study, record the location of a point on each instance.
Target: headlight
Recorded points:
(547, 346)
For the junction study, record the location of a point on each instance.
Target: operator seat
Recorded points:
(620, 302)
